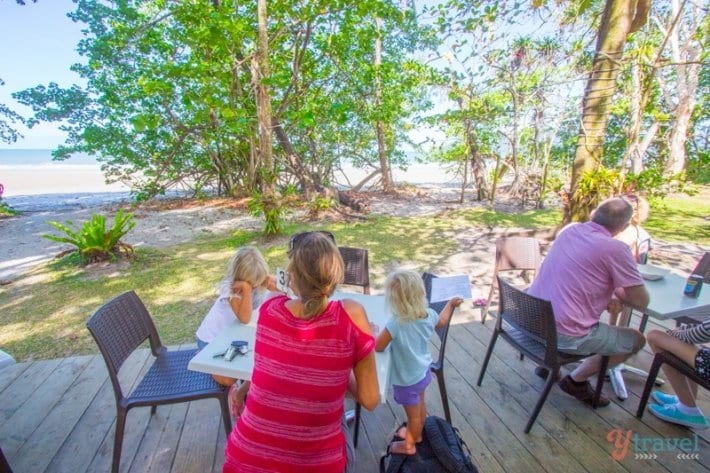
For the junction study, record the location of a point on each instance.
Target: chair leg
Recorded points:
(488, 304)
(600, 381)
(522, 356)
(650, 381)
(118, 439)
(153, 409)
(442, 391)
(644, 321)
(226, 415)
(358, 411)
(549, 382)
(489, 352)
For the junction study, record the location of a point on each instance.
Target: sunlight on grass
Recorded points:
(43, 314)
(685, 218)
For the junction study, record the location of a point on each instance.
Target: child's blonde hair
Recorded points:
(248, 265)
(405, 295)
(315, 269)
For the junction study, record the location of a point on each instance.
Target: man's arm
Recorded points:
(635, 296)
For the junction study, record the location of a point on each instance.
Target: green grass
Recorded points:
(43, 313)
(681, 219)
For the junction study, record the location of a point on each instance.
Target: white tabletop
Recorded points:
(668, 302)
(242, 366)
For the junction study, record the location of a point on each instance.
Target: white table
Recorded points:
(242, 366)
(667, 301)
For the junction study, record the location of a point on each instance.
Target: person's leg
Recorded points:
(626, 342)
(415, 425)
(349, 446)
(683, 387)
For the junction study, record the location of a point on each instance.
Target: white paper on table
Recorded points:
(281, 280)
(447, 287)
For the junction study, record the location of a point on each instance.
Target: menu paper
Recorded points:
(447, 287)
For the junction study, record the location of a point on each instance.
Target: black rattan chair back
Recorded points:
(530, 328)
(703, 268)
(357, 267)
(121, 326)
(530, 315)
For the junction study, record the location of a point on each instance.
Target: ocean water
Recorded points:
(38, 157)
(34, 182)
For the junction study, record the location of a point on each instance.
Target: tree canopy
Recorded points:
(494, 88)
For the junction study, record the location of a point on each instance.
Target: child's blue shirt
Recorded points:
(410, 348)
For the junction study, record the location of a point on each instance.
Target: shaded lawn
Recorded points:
(43, 313)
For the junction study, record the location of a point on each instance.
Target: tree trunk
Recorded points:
(620, 18)
(687, 57)
(381, 149)
(263, 97)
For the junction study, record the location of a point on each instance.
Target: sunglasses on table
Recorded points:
(298, 238)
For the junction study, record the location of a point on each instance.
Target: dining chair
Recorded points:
(437, 366)
(514, 254)
(703, 269)
(4, 465)
(675, 362)
(119, 327)
(530, 329)
(357, 267)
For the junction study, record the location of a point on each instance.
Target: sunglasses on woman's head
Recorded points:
(297, 239)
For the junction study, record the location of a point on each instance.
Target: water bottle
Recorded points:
(693, 286)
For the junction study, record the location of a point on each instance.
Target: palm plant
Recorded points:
(92, 241)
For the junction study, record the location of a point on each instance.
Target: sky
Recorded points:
(37, 46)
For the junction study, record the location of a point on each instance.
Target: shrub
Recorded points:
(92, 241)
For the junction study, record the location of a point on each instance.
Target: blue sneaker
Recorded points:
(670, 413)
(663, 398)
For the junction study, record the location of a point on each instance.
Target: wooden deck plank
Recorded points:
(513, 399)
(614, 415)
(96, 421)
(504, 444)
(156, 451)
(9, 373)
(202, 422)
(58, 423)
(136, 421)
(38, 405)
(22, 389)
(568, 436)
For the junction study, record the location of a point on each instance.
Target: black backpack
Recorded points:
(441, 451)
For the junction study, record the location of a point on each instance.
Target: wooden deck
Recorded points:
(58, 415)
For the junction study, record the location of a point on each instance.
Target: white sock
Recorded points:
(691, 411)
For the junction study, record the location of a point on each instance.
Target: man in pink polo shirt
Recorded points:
(585, 272)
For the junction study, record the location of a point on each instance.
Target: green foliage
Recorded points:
(320, 203)
(169, 96)
(597, 185)
(93, 241)
(6, 210)
(272, 208)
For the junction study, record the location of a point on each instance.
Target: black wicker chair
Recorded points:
(119, 327)
(531, 330)
(4, 465)
(357, 267)
(670, 359)
(437, 366)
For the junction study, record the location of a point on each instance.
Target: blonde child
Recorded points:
(409, 332)
(242, 290)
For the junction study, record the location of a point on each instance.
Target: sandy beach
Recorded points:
(72, 193)
(65, 192)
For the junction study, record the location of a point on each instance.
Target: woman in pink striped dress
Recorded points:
(309, 351)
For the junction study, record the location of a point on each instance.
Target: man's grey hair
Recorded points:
(613, 214)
